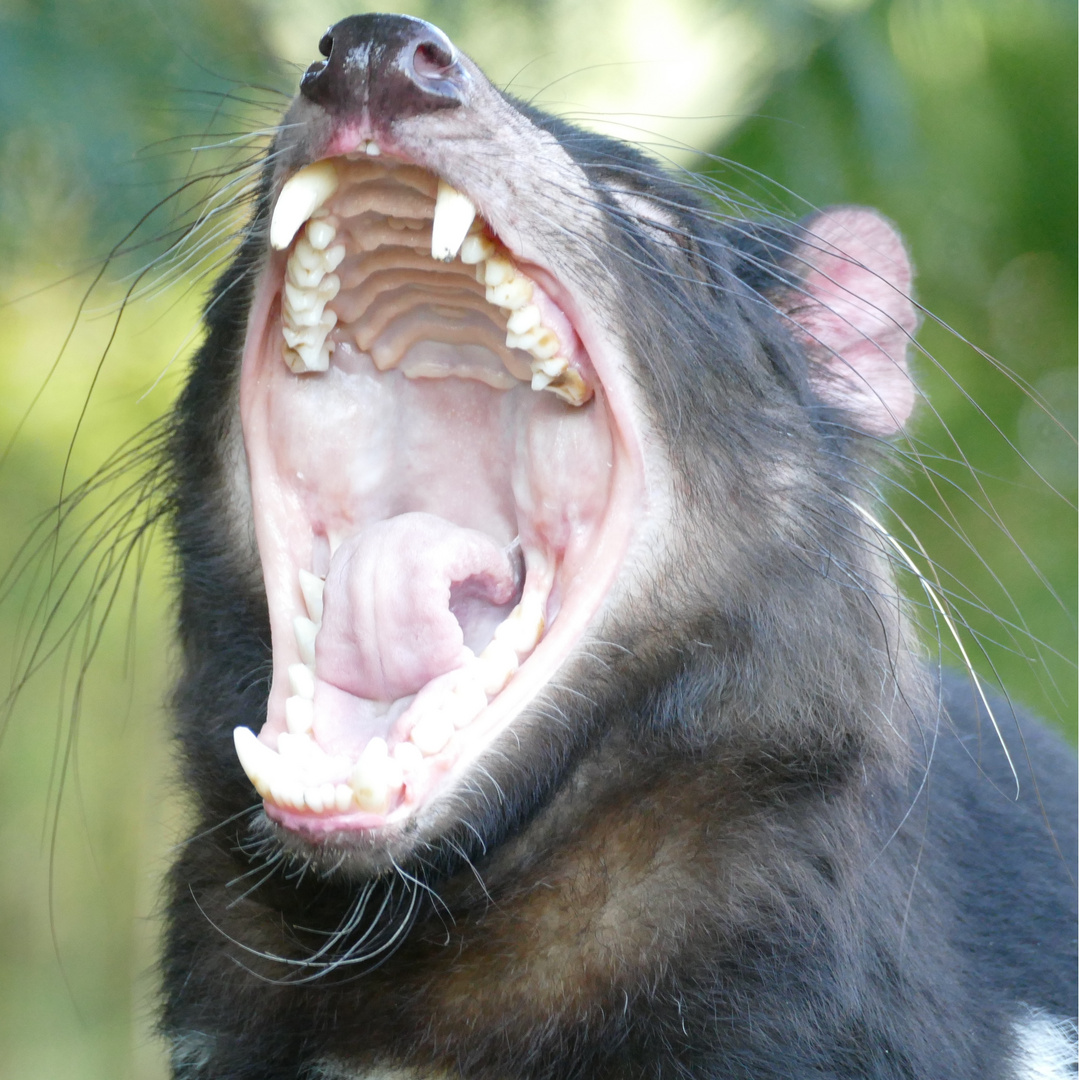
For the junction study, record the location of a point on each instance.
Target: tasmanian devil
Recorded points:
(531, 574)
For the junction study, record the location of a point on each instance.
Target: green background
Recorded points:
(957, 119)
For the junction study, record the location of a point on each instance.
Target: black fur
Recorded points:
(742, 837)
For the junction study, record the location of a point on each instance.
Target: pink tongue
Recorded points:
(387, 627)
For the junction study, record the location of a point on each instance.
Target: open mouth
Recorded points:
(442, 490)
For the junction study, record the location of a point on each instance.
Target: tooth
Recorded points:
(546, 345)
(297, 299)
(343, 797)
(408, 756)
(497, 270)
(432, 733)
(299, 712)
(297, 273)
(312, 318)
(313, 357)
(475, 249)
(369, 780)
(287, 792)
(513, 294)
(540, 342)
(312, 588)
(552, 366)
(470, 700)
(305, 631)
(307, 256)
(496, 666)
(302, 194)
(371, 148)
(454, 213)
(320, 234)
(293, 360)
(302, 679)
(333, 257)
(523, 320)
(571, 387)
(314, 800)
(262, 765)
(523, 628)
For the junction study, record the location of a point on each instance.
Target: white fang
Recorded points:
(301, 196)
(454, 215)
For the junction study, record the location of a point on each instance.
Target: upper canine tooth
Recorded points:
(454, 213)
(302, 194)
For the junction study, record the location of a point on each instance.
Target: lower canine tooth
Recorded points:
(262, 765)
(454, 214)
(305, 631)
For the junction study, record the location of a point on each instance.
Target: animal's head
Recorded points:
(538, 447)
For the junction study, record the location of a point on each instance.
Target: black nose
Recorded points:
(393, 65)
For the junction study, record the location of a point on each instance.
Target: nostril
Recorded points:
(326, 43)
(432, 58)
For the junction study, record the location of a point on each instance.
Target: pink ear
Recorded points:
(855, 315)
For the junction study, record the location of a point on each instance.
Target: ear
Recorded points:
(851, 305)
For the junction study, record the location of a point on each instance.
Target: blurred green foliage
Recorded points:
(958, 121)
(957, 118)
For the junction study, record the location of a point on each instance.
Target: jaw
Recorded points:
(445, 481)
